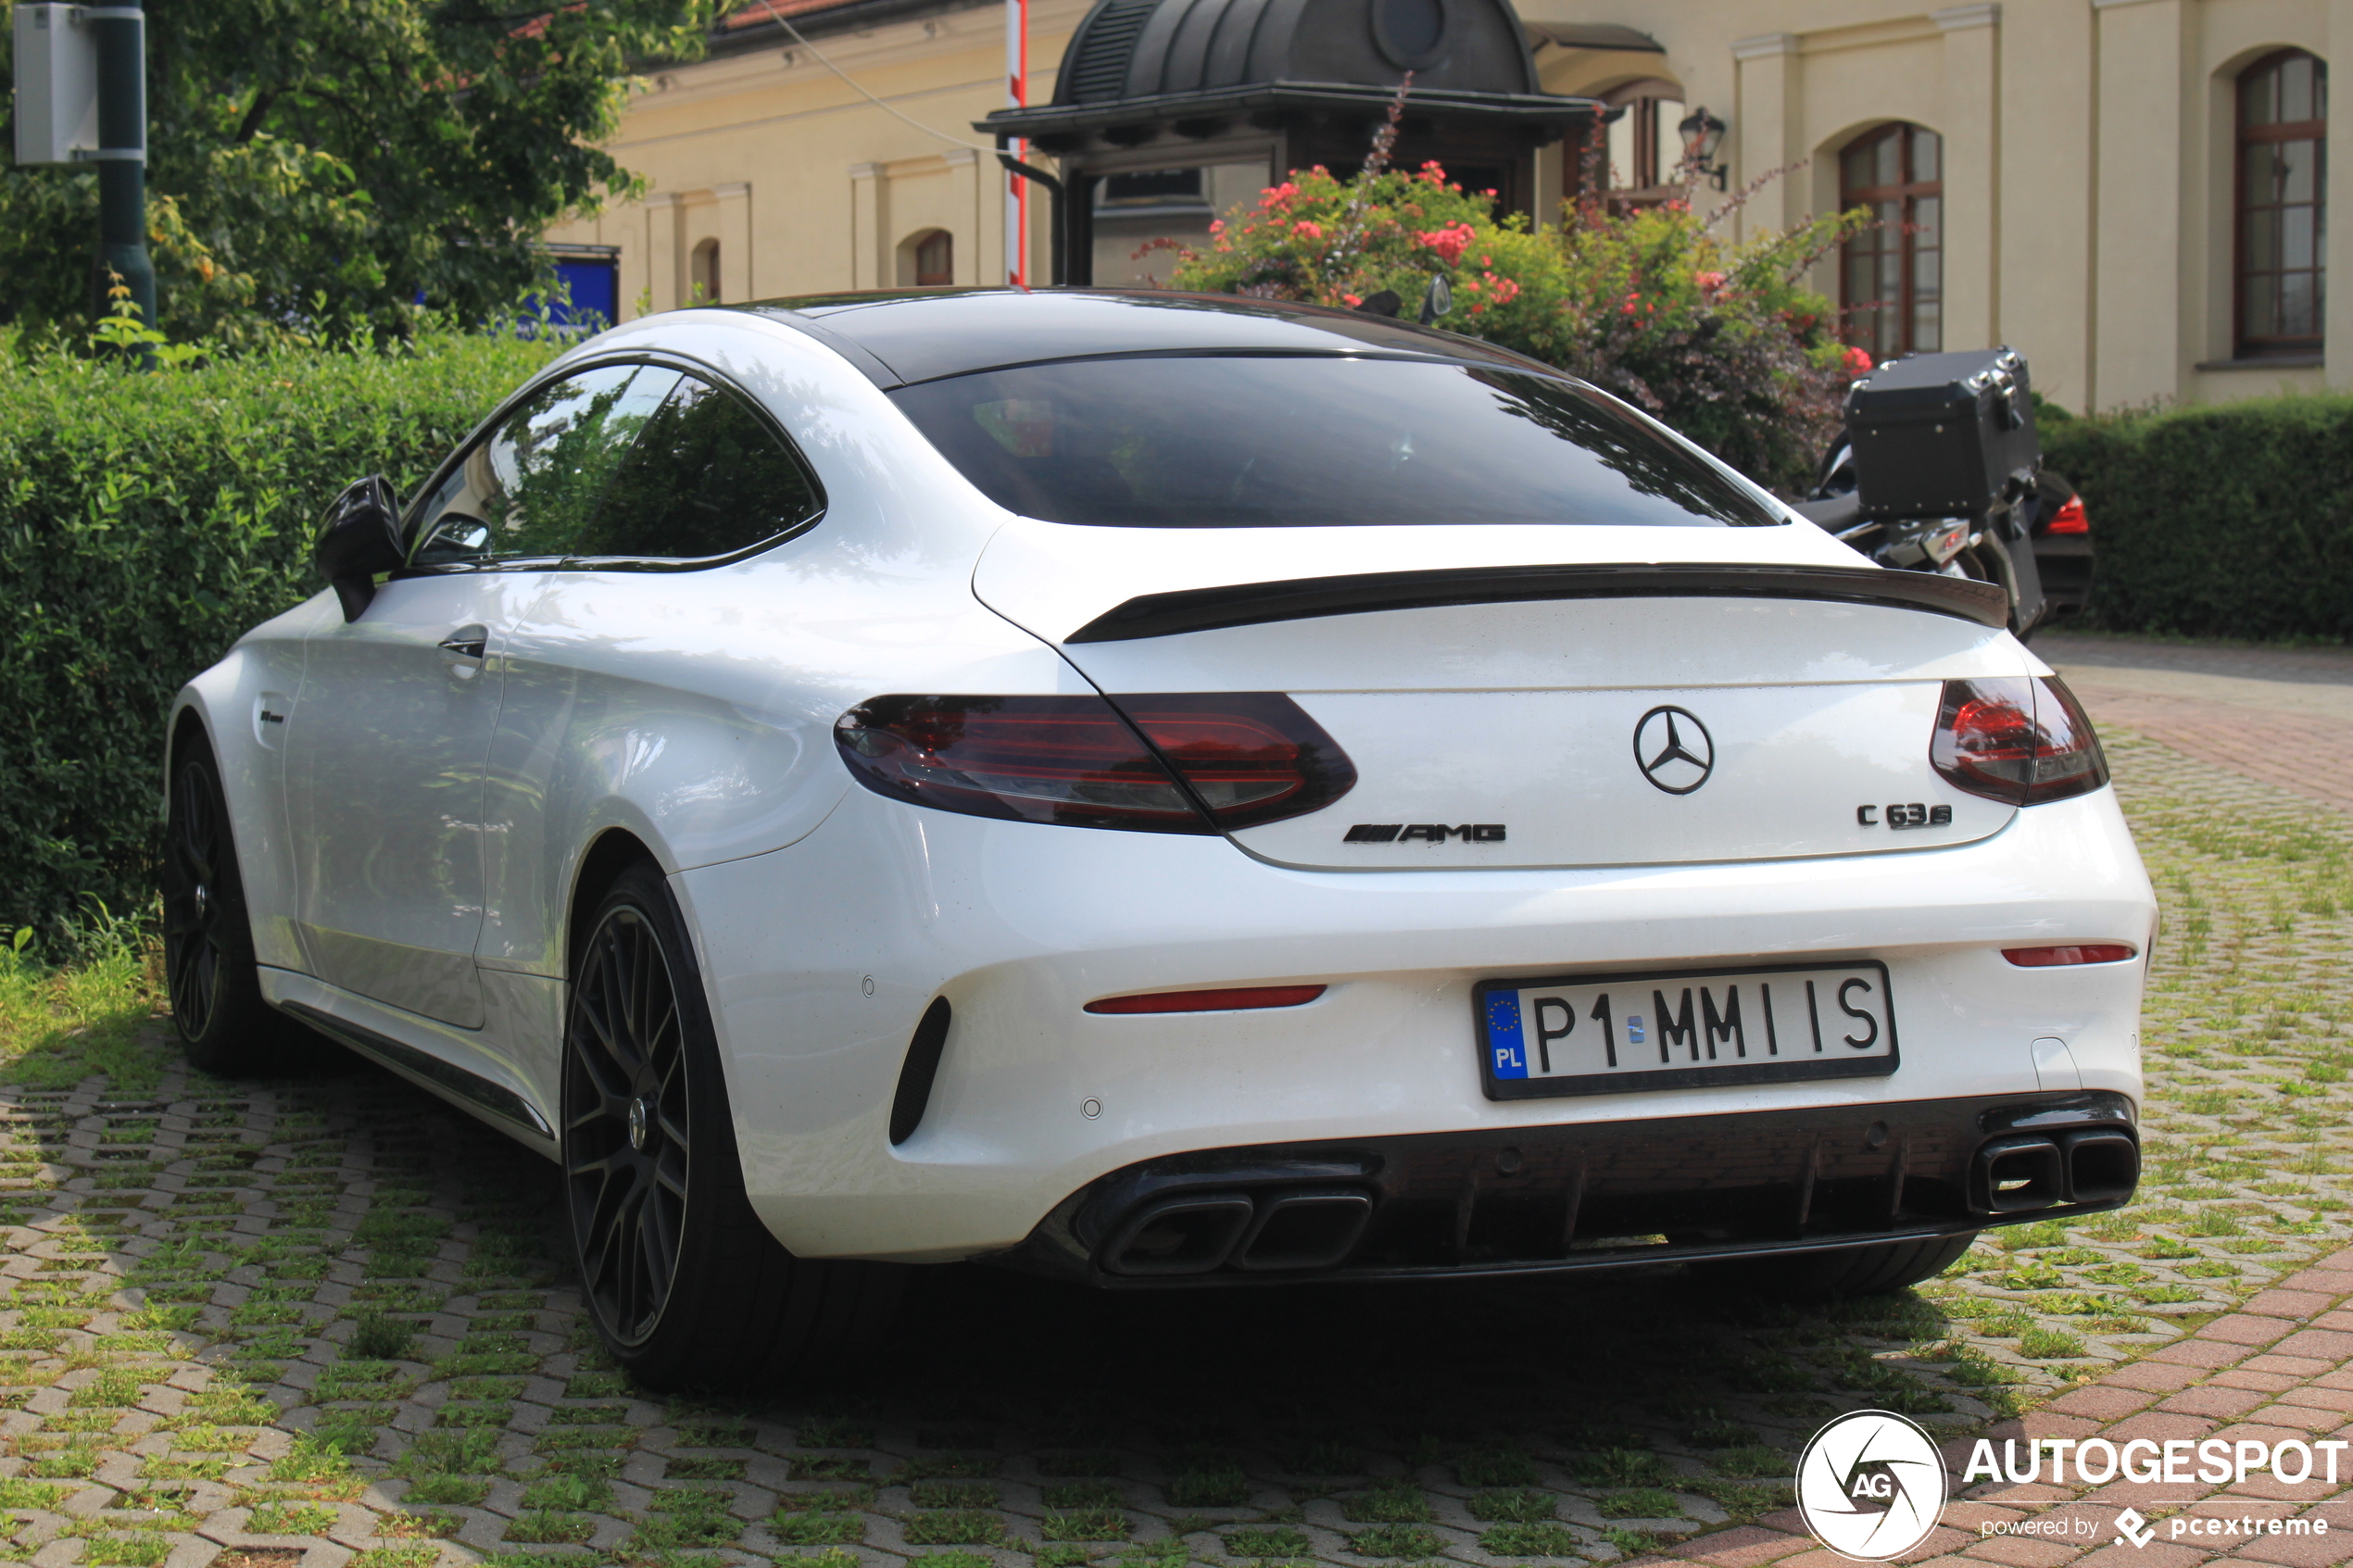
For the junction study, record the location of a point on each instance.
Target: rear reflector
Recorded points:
(2070, 518)
(1232, 1001)
(2013, 739)
(1079, 762)
(2080, 952)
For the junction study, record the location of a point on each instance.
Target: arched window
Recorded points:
(704, 275)
(1891, 275)
(2283, 147)
(936, 258)
(1637, 151)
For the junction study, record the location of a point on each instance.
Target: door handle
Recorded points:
(467, 641)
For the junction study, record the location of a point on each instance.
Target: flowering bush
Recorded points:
(1719, 339)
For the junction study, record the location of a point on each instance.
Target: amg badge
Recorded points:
(1424, 833)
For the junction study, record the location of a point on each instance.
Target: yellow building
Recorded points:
(2132, 192)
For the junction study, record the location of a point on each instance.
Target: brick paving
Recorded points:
(2280, 1369)
(314, 1323)
(2284, 716)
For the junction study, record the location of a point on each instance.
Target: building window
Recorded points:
(936, 260)
(1891, 275)
(1633, 157)
(704, 274)
(2282, 148)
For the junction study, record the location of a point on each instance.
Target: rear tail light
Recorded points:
(1235, 998)
(2074, 952)
(2014, 739)
(1167, 764)
(2070, 518)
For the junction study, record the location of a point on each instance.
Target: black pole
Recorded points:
(1055, 267)
(123, 151)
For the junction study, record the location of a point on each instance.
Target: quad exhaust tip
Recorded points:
(2018, 1174)
(1196, 1233)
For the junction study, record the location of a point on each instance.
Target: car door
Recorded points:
(639, 692)
(386, 744)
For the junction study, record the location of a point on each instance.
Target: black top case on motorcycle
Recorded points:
(1943, 435)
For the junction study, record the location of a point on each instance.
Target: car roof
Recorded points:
(904, 336)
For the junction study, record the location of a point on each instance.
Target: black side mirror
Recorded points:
(359, 538)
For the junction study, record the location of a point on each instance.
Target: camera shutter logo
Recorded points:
(1870, 1486)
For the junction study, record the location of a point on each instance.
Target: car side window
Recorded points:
(708, 477)
(530, 488)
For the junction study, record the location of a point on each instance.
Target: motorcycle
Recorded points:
(1940, 470)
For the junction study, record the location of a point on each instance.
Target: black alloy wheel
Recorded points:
(628, 1124)
(217, 1008)
(192, 934)
(685, 1283)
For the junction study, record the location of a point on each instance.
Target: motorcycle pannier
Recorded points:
(1941, 434)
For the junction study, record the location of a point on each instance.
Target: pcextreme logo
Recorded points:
(1870, 1486)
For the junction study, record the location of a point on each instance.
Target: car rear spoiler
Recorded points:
(1250, 604)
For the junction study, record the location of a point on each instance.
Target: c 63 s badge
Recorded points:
(1432, 833)
(1901, 815)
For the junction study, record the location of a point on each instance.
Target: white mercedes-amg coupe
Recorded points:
(1167, 792)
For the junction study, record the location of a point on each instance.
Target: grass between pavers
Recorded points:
(301, 1290)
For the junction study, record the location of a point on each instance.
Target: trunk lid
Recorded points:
(1664, 715)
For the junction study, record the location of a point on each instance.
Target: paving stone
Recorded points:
(2215, 1401)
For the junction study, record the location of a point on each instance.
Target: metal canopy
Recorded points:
(1146, 66)
(1594, 35)
(1158, 95)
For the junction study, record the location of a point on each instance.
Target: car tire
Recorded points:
(685, 1283)
(1849, 1271)
(217, 1006)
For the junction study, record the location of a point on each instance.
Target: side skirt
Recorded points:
(500, 1105)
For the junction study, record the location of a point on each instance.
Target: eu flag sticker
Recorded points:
(1507, 1054)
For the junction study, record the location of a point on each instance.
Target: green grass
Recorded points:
(1389, 1505)
(1643, 1502)
(953, 1527)
(1397, 1540)
(1530, 1540)
(290, 1519)
(1514, 1505)
(818, 1529)
(82, 1011)
(1280, 1540)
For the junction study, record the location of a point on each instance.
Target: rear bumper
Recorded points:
(822, 961)
(1543, 1199)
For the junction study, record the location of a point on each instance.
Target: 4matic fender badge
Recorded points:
(1423, 833)
(1674, 750)
(1871, 1486)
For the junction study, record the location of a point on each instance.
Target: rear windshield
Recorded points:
(1243, 442)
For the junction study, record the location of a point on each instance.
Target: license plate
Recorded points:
(1682, 1029)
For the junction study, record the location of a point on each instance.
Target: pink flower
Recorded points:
(1857, 362)
(1274, 193)
(1506, 289)
(1709, 281)
(1307, 231)
(1354, 300)
(1450, 242)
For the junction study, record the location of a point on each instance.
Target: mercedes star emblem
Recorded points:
(1673, 751)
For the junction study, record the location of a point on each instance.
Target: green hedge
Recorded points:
(146, 522)
(2232, 520)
